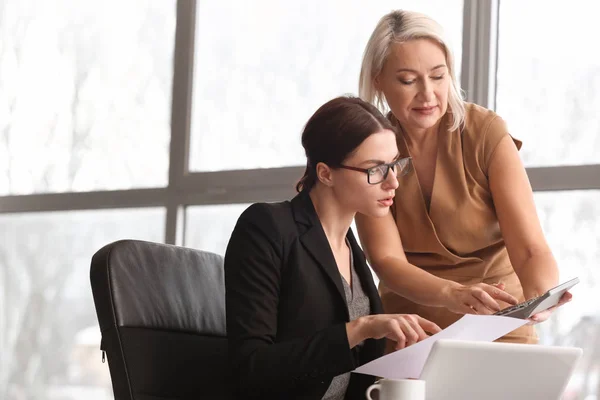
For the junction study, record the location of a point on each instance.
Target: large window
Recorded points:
(49, 335)
(82, 85)
(263, 67)
(549, 80)
(571, 222)
(209, 227)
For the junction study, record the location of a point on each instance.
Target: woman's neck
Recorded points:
(420, 140)
(334, 219)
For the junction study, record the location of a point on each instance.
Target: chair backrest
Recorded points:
(161, 310)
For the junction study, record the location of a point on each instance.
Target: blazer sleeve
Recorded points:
(254, 262)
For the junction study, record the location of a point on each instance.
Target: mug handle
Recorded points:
(375, 386)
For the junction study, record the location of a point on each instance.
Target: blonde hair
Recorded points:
(401, 26)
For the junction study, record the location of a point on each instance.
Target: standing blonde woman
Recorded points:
(464, 231)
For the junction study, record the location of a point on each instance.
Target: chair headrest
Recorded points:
(159, 286)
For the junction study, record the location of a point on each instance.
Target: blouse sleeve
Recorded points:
(494, 131)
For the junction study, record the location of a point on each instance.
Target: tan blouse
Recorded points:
(459, 237)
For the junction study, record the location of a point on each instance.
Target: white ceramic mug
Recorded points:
(398, 389)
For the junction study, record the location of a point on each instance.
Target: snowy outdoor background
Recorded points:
(85, 105)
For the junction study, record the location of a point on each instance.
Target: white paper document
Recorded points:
(409, 362)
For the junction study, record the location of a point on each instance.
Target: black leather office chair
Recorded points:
(161, 311)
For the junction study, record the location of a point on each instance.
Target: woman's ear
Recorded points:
(377, 83)
(324, 174)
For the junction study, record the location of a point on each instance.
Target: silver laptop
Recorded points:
(465, 370)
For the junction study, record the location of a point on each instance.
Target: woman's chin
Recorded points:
(378, 212)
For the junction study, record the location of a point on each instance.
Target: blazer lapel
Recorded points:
(365, 275)
(373, 348)
(315, 242)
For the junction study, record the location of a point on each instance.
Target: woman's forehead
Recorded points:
(416, 54)
(378, 146)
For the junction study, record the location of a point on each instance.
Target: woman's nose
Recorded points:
(427, 91)
(391, 181)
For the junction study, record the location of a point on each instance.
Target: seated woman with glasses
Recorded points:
(302, 308)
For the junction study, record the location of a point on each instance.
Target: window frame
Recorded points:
(185, 188)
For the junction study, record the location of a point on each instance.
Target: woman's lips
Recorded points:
(425, 110)
(387, 202)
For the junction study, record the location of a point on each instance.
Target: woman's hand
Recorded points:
(480, 298)
(544, 315)
(404, 329)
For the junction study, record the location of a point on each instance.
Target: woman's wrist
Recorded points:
(446, 293)
(357, 331)
(535, 285)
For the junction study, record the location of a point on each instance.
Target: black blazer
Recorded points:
(286, 307)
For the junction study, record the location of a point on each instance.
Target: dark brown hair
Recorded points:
(334, 131)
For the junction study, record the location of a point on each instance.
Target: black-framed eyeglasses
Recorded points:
(379, 173)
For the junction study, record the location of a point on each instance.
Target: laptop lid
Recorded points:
(463, 370)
